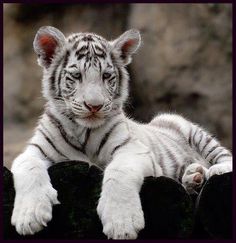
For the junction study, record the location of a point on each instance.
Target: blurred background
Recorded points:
(184, 64)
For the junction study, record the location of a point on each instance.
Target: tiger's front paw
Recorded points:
(219, 169)
(120, 220)
(33, 210)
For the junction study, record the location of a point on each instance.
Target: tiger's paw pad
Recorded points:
(194, 177)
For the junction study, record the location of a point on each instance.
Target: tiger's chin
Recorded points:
(90, 122)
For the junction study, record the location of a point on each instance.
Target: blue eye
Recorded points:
(106, 75)
(76, 75)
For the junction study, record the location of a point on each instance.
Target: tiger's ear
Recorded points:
(47, 41)
(127, 44)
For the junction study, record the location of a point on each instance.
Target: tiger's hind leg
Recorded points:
(194, 177)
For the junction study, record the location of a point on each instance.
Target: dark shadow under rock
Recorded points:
(214, 206)
(168, 209)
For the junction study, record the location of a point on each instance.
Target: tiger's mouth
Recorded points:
(91, 116)
(90, 120)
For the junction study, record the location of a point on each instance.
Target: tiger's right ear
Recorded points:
(47, 42)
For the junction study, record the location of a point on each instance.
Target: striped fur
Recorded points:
(84, 71)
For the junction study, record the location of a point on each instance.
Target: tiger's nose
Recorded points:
(93, 108)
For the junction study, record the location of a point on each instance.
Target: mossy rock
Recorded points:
(168, 209)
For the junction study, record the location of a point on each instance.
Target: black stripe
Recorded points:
(68, 93)
(181, 172)
(162, 164)
(50, 142)
(120, 145)
(153, 163)
(41, 150)
(90, 63)
(222, 155)
(82, 48)
(57, 124)
(72, 66)
(63, 66)
(58, 98)
(111, 78)
(69, 116)
(211, 150)
(88, 38)
(196, 131)
(171, 155)
(75, 45)
(109, 65)
(208, 140)
(168, 125)
(190, 136)
(71, 39)
(106, 136)
(198, 144)
(99, 38)
(53, 78)
(80, 56)
(120, 76)
(103, 45)
(87, 135)
(68, 86)
(100, 66)
(118, 88)
(52, 81)
(95, 62)
(174, 161)
(102, 55)
(99, 48)
(70, 79)
(175, 143)
(212, 159)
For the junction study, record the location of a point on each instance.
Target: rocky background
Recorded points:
(183, 66)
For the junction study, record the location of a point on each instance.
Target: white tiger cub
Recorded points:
(85, 83)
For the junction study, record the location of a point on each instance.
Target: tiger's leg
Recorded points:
(194, 176)
(35, 195)
(217, 156)
(119, 206)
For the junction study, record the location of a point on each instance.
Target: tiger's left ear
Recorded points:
(127, 44)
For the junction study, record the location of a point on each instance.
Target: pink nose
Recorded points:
(93, 108)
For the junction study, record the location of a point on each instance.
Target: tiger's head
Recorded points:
(85, 75)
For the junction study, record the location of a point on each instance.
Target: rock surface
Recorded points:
(168, 209)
